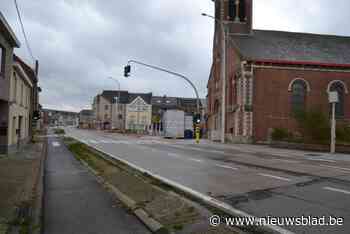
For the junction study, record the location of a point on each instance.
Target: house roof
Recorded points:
(147, 97)
(125, 96)
(110, 96)
(28, 70)
(7, 30)
(164, 102)
(86, 112)
(294, 47)
(189, 102)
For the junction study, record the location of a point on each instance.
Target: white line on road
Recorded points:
(322, 160)
(195, 160)
(93, 141)
(216, 151)
(226, 167)
(337, 190)
(274, 177)
(334, 167)
(286, 160)
(56, 144)
(174, 155)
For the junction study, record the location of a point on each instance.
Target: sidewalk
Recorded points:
(75, 203)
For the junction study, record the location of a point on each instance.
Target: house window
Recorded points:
(299, 89)
(2, 61)
(106, 107)
(339, 107)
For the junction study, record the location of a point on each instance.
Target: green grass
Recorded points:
(59, 131)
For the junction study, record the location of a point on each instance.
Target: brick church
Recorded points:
(271, 73)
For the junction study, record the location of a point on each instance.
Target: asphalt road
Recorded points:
(76, 204)
(256, 179)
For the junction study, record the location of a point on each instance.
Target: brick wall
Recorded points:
(272, 100)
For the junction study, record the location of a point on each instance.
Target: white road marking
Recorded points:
(337, 190)
(93, 141)
(56, 144)
(216, 151)
(322, 160)
(195, 160)
(274, 177)
(174, 155)
(105, 141)
(226, 167)
(286, 160)
(334, 167)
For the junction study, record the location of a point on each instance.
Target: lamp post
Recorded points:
(222, 73)
(118, 100)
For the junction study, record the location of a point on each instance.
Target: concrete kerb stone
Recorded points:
(202, 197)
(151, 223)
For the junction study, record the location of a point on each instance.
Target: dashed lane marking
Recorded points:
(56, 144)
(195, 160)
(174, 155)
(322, 160)
(286, 160)
(274, 177)
(334, 167)
(226, 167)
(337, 190)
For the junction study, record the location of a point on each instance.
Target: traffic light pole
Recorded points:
(172, 73)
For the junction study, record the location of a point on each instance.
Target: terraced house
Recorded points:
(18, 93)
(270, 74)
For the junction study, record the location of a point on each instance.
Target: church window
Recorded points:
(339, 107)
(242, 11)
(299, 89)
(232, 9)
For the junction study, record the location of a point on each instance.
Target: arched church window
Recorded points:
(339, 107)
(232, 9)
(242, 10)
(299, 89)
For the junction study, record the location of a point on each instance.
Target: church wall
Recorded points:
(272, 99)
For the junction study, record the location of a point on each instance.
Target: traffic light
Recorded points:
(127, 70)
(197, 119)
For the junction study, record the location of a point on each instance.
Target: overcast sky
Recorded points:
(79, 43)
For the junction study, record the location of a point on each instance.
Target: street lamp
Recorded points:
(222, 73)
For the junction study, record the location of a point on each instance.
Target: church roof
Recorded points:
(294, 47)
